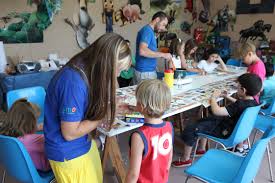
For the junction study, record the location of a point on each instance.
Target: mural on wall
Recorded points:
(244, 7)
(82, 24)
(28, 27)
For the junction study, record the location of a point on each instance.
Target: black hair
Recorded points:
(173, 49)
(160, 14)
(269, 67)
(251, 82)
(210, 52)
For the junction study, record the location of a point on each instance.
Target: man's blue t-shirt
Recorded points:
(66, 100)
(145, 64)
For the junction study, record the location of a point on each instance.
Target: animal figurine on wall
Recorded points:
(257, 30)
(139, 3)
(82, 24)
(204, 14)
(221, 21)
(108, 13)
(128, 13)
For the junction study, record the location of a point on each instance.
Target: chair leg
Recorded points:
(4, 176)
(270, 146)
(270, 166)
(248, 141)
(254, 137)
(187, 178)
(195, 150)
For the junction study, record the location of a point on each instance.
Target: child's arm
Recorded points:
(222, 66)
(183, 61)
(137, 148)
(216, 109)
(231, 99)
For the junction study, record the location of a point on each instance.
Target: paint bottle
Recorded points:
(169, 77)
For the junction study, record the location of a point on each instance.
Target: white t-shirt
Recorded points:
(177, 62)
(207, 67)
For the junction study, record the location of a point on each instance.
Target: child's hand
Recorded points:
(220, 59)
(224, 94)
(39, 127)
(216, 94)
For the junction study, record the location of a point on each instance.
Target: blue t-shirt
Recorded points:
(66, 100)
(145, 64)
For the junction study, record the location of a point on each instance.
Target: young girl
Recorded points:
(188, 58)
(151, 146)
(209, 64)
(21, 123)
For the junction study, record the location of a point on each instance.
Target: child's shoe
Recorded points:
(179, 163)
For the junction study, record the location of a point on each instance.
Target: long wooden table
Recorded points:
(184, 98)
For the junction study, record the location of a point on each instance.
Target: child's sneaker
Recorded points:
(178, 164)
(240, 152)
(199, 153)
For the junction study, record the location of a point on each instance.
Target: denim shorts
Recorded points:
(140, 76)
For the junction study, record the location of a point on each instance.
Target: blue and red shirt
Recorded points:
(158, 146)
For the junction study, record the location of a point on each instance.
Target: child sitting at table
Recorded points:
(209, 64)
(151, 146)
(183, 55)
(22, 124)
(224, 120)
(269, 84)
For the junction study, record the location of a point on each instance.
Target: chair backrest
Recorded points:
(271, 108)
(16, 160)
(252, 161)
(33, 94)
(244, 125)
(233, 62)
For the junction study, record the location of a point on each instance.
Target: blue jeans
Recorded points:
(109, 24)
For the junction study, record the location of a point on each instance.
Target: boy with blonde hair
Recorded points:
(151, 146)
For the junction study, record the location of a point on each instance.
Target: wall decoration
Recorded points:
(244, 7)
(128, 13)
(225, 17)
(139, 3)
(204, 14)
(257, 30)
(173, 9)
(28, 27)
(108, 14)
(82, 24)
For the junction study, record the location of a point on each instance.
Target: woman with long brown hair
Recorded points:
(78, 98)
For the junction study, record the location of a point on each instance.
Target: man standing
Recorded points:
(146, 48)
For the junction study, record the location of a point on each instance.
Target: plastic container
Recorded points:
(169, 77)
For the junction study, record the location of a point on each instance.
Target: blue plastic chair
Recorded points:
(234, 62)
(221, 166)
(18, 164)
(270, 110)
(263, 122)
(33, 94)
(241, 131)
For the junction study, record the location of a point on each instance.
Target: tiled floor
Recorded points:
(176, 174)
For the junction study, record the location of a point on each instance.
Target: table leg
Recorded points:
(112, 149)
